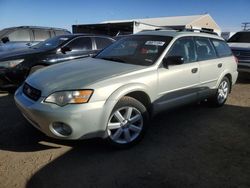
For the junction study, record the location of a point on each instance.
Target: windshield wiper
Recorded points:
(113, 59)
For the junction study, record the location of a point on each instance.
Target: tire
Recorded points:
(222, 93)
(35, 68)
(127, 123)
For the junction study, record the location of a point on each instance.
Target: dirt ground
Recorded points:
(195, 146)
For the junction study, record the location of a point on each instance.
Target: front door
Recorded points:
(179, 84)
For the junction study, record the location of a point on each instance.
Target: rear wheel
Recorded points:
(222, 93)
(127, 122)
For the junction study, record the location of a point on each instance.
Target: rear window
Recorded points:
(41, 35)
(222, 48)
(240, 37)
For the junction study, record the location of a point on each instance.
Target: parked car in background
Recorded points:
(15, 66)
(240, 45)
(113, 94)
(25, 36)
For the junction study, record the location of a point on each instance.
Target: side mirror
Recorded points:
(173, 60)
(5, 39)
(65, 49)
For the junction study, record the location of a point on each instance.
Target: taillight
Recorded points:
(236, 59)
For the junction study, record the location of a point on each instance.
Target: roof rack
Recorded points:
(36, 27)
(200, 30)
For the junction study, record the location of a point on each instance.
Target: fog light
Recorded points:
(61, 128)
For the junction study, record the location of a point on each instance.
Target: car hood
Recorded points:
(19, 53)
(240, 46)
(77, 74)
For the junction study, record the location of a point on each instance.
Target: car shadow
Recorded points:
(194, 146)
(16, 134)
(243, 78)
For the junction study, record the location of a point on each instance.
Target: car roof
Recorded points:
(177, 33)
(83, 35)
(37, 27)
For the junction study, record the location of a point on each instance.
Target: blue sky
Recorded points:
(228, 14)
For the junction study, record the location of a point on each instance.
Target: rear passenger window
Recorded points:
(205, 50)
(20, 35)
(221, 47)
(41, 35)
(102, 42)
(184, 47)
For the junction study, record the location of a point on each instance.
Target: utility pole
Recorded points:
(245, 25)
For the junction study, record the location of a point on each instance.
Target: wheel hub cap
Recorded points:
(125, 125)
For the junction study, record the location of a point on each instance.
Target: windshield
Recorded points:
(52, 42)
(136, 49)
(3, 32)
(241, 37)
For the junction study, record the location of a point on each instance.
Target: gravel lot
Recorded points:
(195, 146)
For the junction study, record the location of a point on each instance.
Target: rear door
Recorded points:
(211, 66)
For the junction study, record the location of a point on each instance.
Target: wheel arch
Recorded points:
(228, 75)
(138, 91)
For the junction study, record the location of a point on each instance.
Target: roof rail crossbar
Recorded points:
(200, 30)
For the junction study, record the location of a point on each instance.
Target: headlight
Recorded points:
(63, 98)
(10, 63)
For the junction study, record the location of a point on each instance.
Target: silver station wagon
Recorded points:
(113, 94)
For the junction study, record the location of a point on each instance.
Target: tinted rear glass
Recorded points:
(221, 47)
(240, 37)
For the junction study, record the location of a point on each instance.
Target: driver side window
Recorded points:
(80, 44)
(185, 48)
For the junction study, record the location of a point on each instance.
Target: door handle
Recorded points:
(219, 65)
(194, 70)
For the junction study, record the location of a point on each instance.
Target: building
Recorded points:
(123, 27)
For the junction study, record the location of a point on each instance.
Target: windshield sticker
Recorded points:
(155, 43)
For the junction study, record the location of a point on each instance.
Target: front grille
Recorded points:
(31, 92)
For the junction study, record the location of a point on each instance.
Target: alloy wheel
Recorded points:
(222, 91)
(125, 125)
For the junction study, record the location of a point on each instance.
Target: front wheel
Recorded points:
(222, 93)
(127, 122)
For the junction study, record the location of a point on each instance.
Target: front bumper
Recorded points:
(85, 120)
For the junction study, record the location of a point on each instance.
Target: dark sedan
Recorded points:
(17, 65)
